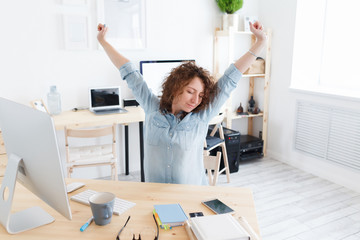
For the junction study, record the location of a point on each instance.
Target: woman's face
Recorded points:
(190, 97)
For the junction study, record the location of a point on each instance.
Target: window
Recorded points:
(326, 48)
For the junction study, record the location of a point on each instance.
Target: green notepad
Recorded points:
(170, 214)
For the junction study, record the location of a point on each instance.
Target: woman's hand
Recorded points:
(257, 29)
(102, 29)
(117, 59)
(249, 58)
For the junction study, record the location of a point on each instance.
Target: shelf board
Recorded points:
(225, 33)
(218, 75)
(254, 75)
(235, 116)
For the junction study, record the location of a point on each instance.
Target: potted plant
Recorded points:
(229, 7)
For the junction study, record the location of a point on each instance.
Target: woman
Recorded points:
(176, 125)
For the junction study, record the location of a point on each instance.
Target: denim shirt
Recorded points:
(174, 148)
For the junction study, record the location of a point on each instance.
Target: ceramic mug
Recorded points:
(102, 205)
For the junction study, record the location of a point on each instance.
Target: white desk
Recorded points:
(85, 118)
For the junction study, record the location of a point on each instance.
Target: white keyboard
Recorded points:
(120, 205)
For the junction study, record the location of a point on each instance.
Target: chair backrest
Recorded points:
(217, 120)
(91, 133)
(212, 164)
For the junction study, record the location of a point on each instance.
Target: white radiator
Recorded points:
(329, 133)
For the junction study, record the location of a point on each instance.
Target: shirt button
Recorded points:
(170, 134)
(168, 147)
(168, 166)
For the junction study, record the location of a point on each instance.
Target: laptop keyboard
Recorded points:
(109, 111)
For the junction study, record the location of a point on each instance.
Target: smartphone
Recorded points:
(218, 206)
(196, 214)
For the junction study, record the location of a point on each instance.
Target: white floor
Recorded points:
(295, 205)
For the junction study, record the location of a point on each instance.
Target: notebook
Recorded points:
(218, 227)
(105, 100)
(171, 215)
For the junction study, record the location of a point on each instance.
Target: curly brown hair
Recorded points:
(180, 77)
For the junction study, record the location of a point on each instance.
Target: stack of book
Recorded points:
(169, 215)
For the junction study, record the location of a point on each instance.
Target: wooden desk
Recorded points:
(85, 118)
(3, 163)
(145, 195)
(3, 157)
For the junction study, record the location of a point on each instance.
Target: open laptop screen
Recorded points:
(103, 98)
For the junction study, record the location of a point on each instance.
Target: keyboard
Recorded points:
(109, 111)
(120, 205)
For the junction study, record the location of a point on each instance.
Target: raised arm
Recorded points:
(116, 58)
(244, 62)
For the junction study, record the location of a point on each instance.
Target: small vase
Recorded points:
(230, 20)
(252, 101)
(251, 107)
(240, 109)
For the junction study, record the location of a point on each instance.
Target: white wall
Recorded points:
(32, 57)
(280, 16)
(32, 54)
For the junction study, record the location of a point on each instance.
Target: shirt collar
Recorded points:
(178, 117)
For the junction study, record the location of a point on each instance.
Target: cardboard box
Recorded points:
(258, 67)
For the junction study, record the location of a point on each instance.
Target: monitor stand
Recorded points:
(26, 219)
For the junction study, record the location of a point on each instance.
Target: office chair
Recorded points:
(213, 142)
(91, 155)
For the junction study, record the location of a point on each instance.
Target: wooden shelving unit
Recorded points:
(230, 115)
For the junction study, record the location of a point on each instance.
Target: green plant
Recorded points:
(229, 6)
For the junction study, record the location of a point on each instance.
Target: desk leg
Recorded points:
(126, 150)
(141, 133)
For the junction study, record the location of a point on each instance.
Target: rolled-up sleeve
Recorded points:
(226, 84)
(147, 100)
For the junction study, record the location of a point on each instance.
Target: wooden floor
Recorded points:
(295, 205)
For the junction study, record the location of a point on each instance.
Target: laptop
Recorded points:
(105, 100)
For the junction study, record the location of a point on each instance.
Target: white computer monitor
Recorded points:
(34, 161)
(155, 72)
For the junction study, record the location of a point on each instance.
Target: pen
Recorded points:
(83, 227)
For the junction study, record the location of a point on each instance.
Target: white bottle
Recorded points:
(54, 101)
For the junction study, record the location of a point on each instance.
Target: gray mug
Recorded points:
(102, 205)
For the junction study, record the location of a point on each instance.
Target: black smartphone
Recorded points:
(218, 206)
(196, 214)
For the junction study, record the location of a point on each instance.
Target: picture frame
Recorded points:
(75, 2)
(247, 20)
(38, 104)
(126, 22)
(76, 32)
